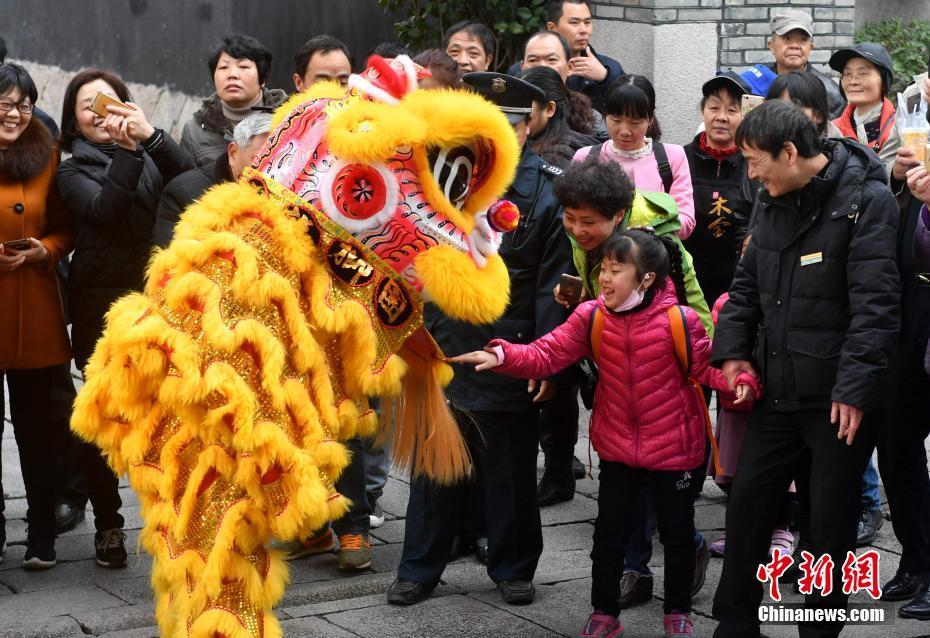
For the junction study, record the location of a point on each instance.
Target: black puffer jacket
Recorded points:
(815, 303)
(561, 153)
(112, 201)
(723, 196)
(181, 192)
(836, 103)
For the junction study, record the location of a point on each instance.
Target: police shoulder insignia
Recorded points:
(552, 170)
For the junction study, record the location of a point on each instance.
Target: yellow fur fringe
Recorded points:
(215, 394)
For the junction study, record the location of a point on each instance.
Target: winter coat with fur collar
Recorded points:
(32, 323)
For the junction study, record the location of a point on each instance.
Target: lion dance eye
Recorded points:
(454, 171)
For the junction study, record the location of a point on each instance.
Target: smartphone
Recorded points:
(751, 101)
(570, 288)
(17, 244)
(101, 100)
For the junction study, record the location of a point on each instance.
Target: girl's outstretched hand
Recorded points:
(483, 360)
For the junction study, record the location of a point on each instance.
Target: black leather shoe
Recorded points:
(635, 589)
(919, 607)
(701, 561)
(555, 489)
(903, 586)
(869, 523)
(408, 592)
(517, 592)
(67, 517)
(578, 468)
(481, 550)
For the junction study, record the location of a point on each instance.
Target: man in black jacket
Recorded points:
(815, 309)
(591, 73)
(498, 417)
(248, 137)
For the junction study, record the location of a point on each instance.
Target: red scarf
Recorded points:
(716, 153)
(847, 124)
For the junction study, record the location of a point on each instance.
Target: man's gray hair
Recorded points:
(247, 129)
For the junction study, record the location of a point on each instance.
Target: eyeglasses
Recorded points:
(25, 108)
(860, 75)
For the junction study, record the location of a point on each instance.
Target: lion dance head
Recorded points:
(410, 174)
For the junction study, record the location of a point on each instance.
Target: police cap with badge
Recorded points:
(513, 96)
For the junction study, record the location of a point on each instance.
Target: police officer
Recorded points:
(497, 415)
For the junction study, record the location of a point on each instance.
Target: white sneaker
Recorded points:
(376, 518)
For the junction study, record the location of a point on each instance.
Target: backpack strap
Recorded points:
(677, 321)
(595, 328)
(595, 151)
(665, 168)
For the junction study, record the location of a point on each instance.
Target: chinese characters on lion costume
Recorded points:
(285, 301)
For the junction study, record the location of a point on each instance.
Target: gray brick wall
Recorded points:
(742, 24)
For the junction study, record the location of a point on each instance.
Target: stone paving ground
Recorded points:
(78, 598)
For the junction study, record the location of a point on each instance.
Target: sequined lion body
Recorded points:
(224, 390)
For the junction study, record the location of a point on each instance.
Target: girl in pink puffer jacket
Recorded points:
(648, 423)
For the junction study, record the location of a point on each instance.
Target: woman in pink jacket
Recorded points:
(648, 423)
(634, 144)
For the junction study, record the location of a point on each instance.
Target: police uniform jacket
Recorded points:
(537, 253)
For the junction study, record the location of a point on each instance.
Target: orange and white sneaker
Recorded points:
(354, 552)
(320, 542)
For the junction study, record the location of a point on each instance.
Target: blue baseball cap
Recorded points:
(759, 78)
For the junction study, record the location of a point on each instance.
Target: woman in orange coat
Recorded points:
(33, 337)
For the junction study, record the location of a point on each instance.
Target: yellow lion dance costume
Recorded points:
(284, 302)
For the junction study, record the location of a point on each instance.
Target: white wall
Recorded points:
(685, 58)
(678, 58)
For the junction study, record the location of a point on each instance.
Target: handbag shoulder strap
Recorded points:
(665, 167)
(595, 328)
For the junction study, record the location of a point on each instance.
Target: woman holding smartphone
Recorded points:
(35, 232)
(111, 185)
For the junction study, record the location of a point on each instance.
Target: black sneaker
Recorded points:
(39, 555)
(111, 548)
(701, 561)
(635, 589)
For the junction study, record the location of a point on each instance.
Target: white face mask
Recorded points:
(636, 297)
